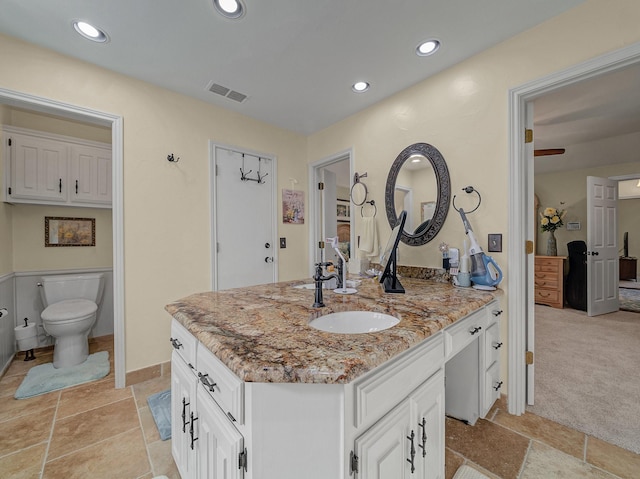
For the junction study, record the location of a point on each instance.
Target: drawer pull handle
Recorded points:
(475, 330)
(496, 346)
(412, 452)
(497, 312)
(175, 343)
(498, 385)
(204, 379)
(423, 446)
(193, 439)
(184, 414)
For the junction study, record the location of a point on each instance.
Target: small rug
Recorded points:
(467, 472)
(45, 378)
(629, 299)
(160, 405)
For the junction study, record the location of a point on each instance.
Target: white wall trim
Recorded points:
(314, 204)
(519, 212)
(212, 204)
(6, 277)
(87, 115)
(60, 271)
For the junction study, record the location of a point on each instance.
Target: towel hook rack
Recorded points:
(356, 181)
(375, 209)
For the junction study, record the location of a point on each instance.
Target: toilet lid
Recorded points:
(69, 309)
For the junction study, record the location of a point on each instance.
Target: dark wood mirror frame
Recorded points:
(443, 197)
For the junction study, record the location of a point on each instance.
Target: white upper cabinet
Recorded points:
(42, 168)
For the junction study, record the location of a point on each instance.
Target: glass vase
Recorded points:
(552, 245)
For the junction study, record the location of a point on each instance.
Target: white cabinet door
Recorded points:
(219, 443)
(383, 451)
(90, 174)
(428, 401)
(183, 406)
(38, 169)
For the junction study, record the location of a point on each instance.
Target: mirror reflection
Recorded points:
(419, 184)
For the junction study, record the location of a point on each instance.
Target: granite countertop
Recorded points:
(262, 334)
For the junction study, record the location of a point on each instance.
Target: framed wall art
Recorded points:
(343, 210)
(69, 231)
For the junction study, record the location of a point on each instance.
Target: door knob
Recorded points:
(268, 259)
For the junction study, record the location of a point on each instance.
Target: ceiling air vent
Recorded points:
(227, 92)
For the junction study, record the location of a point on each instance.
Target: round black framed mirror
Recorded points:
(419, 183)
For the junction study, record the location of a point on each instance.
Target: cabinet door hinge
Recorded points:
(9, 190)
(242, 460)
(529, 247)
(353, 464)
(9, 141)
(529, 357)
(321, 186)
(528, 135)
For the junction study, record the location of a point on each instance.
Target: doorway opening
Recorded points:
(80, 114)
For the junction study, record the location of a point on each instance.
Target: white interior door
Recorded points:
(244, 249)
(329, 211)
(602, 246)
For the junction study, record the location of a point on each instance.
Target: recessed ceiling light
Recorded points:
(360, 86)
(90, 32)
(427, 48)
(233, 9)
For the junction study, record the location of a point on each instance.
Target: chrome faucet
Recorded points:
(319, 278)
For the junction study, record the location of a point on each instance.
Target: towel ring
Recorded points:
(375, 209)
(356, 181)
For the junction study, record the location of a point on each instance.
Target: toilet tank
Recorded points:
(56, 288)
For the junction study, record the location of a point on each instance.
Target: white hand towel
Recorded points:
(369, 237)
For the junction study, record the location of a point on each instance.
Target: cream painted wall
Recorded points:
(59, 126)
(30, 254)
(570, 188)
(166, 206)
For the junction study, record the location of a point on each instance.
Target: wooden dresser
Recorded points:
(549, 280)
(628, 268)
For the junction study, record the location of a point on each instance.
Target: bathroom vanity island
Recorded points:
(258, 393)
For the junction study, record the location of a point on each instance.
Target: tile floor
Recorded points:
(96, 431)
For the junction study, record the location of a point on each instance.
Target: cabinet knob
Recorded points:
(475, 330)
(204, 379)
(423, 446)
(498, 385)
(412, 452)
(497, 312)
(497, 345)
(175, 343)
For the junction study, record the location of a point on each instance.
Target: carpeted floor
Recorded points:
(587, 373)
(629, 299)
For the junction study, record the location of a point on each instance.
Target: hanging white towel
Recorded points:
(369, 238)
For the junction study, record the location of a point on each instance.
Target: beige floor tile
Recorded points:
(11, 408)
(548, 463)
(492, 447)
(89, 396)
(20, 367)
(123, 456)
(9, 385)
(24, 464)
(25, 431)
(561, 437)
(162, 462)
(612, 458)
(147, 388)
(90, 427)
(151, 433)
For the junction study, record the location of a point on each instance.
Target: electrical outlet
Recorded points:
(283, 242)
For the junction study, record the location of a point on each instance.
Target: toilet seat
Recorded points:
(69, 310)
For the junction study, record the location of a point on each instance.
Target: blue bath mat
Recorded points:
(160, 405)
(45, 378)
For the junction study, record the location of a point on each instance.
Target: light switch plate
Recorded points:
(283, 242)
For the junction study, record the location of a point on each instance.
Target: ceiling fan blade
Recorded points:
(548, 152)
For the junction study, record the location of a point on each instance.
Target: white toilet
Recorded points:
(71, 303)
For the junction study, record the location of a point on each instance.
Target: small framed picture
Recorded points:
(69, 231)
(343, 210)
(495, 243)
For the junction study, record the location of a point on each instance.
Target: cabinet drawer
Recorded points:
(548, 264)
(184, 343)
(547, 296)
(492, 344)
(384, 387)
(548, 282)
(461, 333)
(492, 387)
(222, 385)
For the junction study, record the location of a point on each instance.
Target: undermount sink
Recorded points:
(354, 322)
